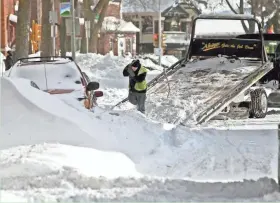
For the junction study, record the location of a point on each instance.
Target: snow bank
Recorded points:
(107, 70)
(40, 160)
(131, 158)
(166, 152)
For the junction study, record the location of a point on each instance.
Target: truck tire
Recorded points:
(259, 104)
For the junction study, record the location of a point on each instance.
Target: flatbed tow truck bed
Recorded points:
(198, 89)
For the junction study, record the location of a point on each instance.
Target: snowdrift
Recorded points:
(107, 70)
(53, 150)
(23, 122)
(43, 118)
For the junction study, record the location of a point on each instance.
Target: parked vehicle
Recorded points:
(57, 75)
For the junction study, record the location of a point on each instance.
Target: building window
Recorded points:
(183, 26)
(128, 47)
(167, 26)
(147, 25)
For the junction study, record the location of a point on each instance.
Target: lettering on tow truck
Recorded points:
(210, 46)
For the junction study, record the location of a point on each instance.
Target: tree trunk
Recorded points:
(97, 10)
(46, 40)
(22, 29)
(62, 35)
(97, 26)
(252, 24)
(86, 15)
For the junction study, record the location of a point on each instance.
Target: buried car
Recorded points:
(57, 75)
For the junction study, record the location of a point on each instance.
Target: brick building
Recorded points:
(116, 34)
(8, 7)
(9, 10)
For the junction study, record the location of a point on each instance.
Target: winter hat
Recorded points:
(136, 63)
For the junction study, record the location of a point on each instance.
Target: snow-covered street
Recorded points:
(53, 149)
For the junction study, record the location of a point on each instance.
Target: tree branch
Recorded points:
(231, 8)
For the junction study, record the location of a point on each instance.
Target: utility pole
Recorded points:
(73, 34)
(159, 33)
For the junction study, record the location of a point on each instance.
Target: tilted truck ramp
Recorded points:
(201, 89)
(227, 98)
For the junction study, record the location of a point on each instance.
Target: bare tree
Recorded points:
(90, 13)
(23, 29)
(261, 8)
(62, 36)
(251, 27)
(46, 46)
(100, 9)
(87, 16)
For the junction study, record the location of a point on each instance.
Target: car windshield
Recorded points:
(50, 75)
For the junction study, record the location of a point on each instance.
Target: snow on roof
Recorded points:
(111, 23)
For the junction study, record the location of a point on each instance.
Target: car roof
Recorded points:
(35, 60)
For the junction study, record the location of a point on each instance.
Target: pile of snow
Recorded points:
(194, 88)
(108, 71)
(162, 170)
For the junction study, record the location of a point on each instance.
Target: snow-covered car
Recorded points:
(57, 75)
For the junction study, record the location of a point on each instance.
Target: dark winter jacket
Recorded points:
(137, 78)
(9, 62)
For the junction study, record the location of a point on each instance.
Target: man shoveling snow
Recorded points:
(137, 84)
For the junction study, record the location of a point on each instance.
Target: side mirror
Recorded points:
(98, 93)
(92, 86)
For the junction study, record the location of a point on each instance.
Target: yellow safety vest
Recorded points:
(141, 86)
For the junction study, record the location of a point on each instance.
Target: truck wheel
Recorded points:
(259, 104)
